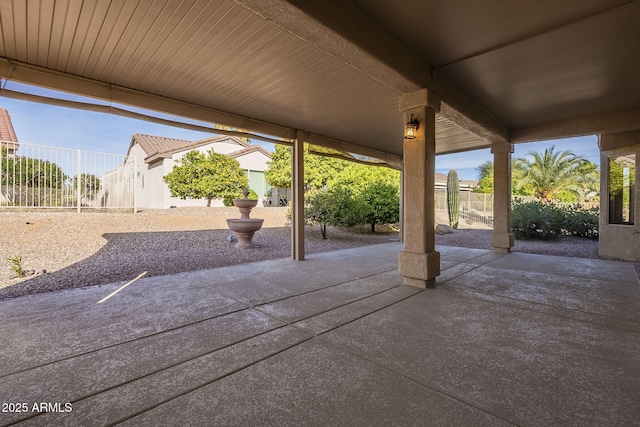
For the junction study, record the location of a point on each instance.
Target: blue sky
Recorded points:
(71, 128)
(466, 163)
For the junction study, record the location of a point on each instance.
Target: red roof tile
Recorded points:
(6, 128)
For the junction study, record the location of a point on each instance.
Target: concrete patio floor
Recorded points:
(334, 340)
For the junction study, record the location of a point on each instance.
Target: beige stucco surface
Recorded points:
(617, 240)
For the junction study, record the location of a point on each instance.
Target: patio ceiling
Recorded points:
(336, 69)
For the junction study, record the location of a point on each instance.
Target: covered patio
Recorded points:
(502, 339)
(344, 77)
(338, 339)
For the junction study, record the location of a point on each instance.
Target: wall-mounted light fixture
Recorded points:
(411, 128)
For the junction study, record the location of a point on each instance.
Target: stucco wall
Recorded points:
(616, 240)
(620, 242)
(253, 161)
(153, 193)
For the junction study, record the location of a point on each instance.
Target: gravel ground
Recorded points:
(96, 248)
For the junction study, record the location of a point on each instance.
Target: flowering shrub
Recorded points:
(547, 221)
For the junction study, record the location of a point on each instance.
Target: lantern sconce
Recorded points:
(411, 128)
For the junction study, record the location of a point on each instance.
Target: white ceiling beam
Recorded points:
(29, 74)
(393, 160)
(623, 121)
(12, 70)
(338, 29)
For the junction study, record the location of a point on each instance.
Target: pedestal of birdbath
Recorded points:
(245, 227)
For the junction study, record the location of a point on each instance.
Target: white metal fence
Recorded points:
(37, 176)
(476, 209)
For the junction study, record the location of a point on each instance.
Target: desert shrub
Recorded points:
(536, 220)
(545, 221)
(336, 205)
(581, 222)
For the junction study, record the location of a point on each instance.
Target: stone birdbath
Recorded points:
(245, 227)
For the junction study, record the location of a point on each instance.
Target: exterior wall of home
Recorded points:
(153, 193)
(220, 147)
(155, 188)
(255, 163)
(225, 146)
(254, 160)
(146, 197)
(620, 241)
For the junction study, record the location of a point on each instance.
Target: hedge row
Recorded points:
(537, 220)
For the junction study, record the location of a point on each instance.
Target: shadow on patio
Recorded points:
(125, 255)
(335, 340)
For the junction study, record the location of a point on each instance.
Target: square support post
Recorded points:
(502, 238)
(419, 262)
(297, 206)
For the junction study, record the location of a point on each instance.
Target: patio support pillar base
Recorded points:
(502, 239)
(419, 262)
(419, 269)
(502, 243)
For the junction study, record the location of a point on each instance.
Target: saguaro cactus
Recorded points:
(453, 197)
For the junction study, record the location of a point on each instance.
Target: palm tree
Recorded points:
(550, 173)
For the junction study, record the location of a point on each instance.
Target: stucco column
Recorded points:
(636, 195)
(401, 208)
(419, 263)
(502, 238)
(297, 205)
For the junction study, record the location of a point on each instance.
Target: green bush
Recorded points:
(536, 220)
(582, 222)
(336, 205)
(546, 221)
(228, 200)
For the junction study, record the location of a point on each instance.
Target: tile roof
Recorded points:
(157, 147)
(248, 150)
(7, 133)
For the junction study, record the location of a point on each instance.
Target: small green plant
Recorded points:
(16, 265)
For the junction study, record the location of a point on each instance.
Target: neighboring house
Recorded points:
(465, 184)
(8, 138)
(156, 156)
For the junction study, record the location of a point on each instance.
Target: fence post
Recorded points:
(78, 179)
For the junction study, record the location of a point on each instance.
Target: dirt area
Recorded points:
(93, 248)
(62, 250)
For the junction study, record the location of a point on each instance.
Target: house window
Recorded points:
(622, 181)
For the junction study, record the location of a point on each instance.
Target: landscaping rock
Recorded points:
(444, 229)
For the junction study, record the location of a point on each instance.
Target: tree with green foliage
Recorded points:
(335, 205)
(485, 179)
(207, 175)
(89, 185)
(318, 170)
(377, 187)
(551, 173)
(341, 192)
(26, 171)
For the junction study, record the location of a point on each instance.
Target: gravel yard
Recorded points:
(95, 248)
